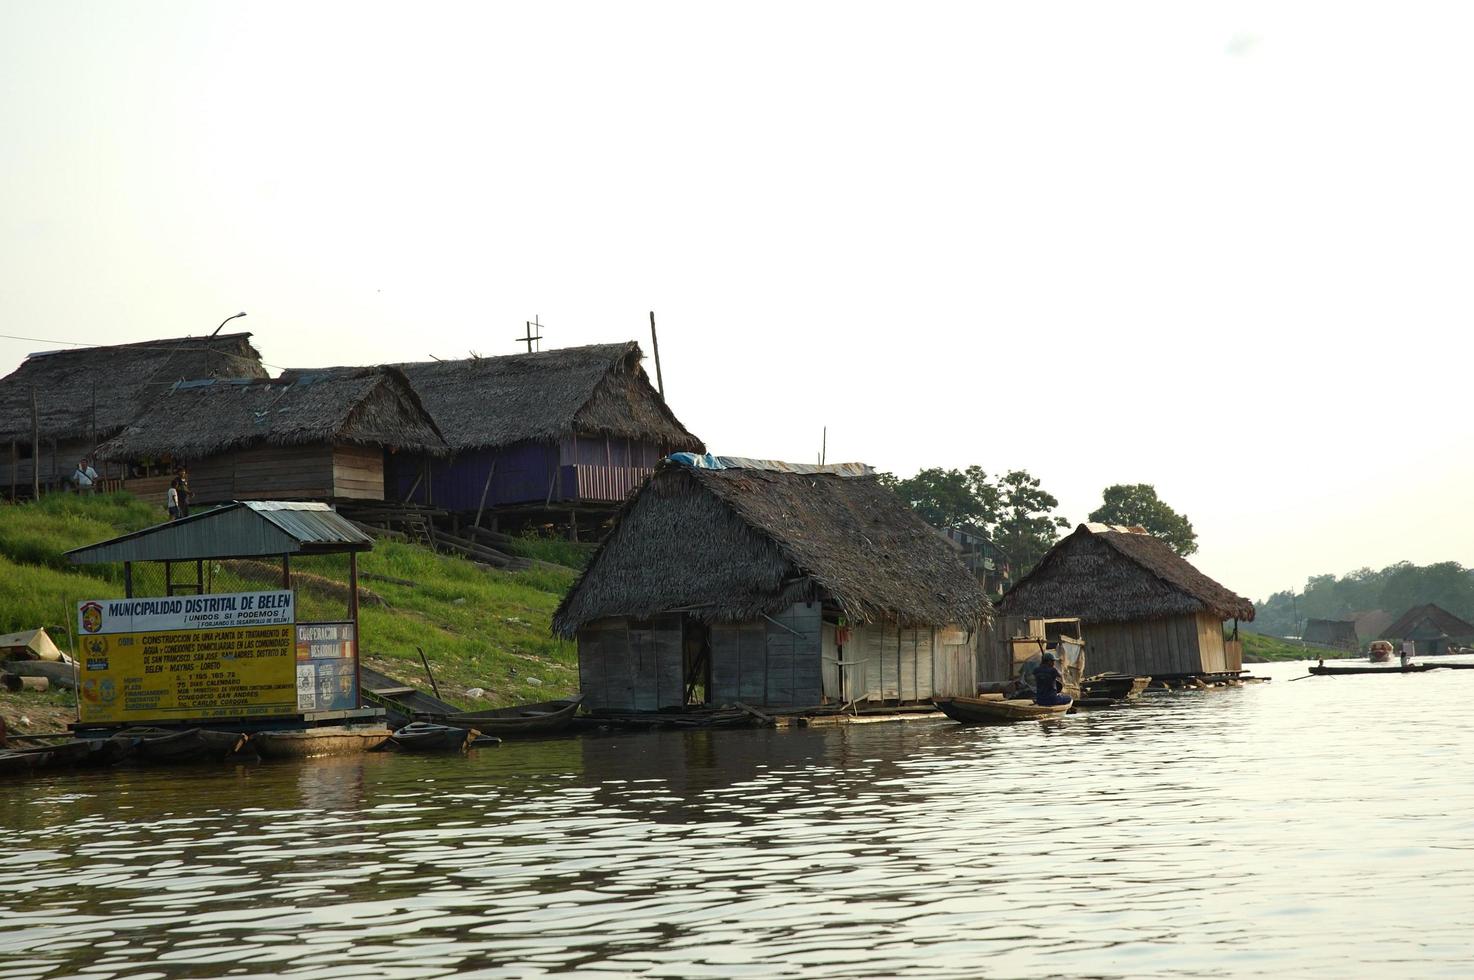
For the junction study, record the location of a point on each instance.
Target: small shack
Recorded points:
(246, 613)
(58, 406)
(560, 435)
(1432, 629)
(318, 437)
(1337, 634)
(1143, 608)
(776, 585)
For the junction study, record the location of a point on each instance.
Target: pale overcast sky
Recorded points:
(1221, 248)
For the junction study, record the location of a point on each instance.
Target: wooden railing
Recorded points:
(584, 482)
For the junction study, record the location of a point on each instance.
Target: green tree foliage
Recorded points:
(1013, 511)
(950, 498)
(1394, 590)
(1138, 504)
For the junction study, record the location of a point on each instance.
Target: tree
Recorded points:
(1013, 511)
(1138, 504)
(949, 498)
(1026, 526)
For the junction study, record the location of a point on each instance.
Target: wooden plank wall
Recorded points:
(627, 667)
(954, 671)
(358, 472)
(1210, 643)
(1168, 645)
(264, 473)
(764, 663)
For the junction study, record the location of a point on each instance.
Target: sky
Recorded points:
(1218, 248)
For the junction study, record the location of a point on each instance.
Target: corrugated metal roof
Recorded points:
(241, 529)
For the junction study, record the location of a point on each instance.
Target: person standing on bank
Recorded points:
(171, 499)
(84, 477)
(182, 478)
(1049, 683)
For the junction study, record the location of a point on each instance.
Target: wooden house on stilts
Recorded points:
(557, 436)
(317, 438)
(58, 406)
(1433, 629)
(1143, 608)
(775, 585)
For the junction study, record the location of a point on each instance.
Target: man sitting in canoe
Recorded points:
(1049, 683)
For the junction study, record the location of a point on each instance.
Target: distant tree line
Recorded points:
(1018, 516)
(1394, 590)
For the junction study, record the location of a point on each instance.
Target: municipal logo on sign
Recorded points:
(91, 616)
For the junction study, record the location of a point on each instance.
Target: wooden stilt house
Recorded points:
(1432, 628)
(1143, 608)
(772, 584)
(316, 438)
(550, 435)
(59, 406)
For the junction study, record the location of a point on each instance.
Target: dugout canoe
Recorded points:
(521, 721)
(307, 743)
(1409, 669)
(424, 736)
(168, 747)
(996, 710)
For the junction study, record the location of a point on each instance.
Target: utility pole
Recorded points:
(655, 347)
(534, 335)
(35, 448)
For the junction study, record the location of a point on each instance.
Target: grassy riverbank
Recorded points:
(479, 628)
(1271, 648)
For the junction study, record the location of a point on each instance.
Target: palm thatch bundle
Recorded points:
(370, 407)
(1427, 620)
(123, 379)
(736, 544)
(491, 402)
(1106, 574)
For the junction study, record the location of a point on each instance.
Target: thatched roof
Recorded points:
(125, 379)
(1431, 615)
(372, 407)
(601, 390)
(1106, 574)
(732, 545)
(1331, 633)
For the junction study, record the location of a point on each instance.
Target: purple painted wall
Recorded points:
(524, 473)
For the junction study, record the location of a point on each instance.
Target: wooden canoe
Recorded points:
(1116, 687)
(167, 746)
(307, 743)
(422, 736)
(1409, 669)
(521, 721)
(997, 711)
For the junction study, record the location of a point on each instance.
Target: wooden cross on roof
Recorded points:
(534, 335)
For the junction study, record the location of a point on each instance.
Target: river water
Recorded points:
(1312, 828)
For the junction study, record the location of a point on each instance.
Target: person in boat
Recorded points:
(1049, 683)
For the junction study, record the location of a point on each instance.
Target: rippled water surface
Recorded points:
(1317, 827)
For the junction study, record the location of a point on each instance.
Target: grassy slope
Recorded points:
(1273, 648)
(478, 628)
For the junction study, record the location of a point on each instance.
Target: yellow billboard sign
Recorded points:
(187, 658)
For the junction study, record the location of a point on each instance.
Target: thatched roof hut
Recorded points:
(733, 545)
(196, 419)
(492, 402)
(123, 379)
(1429, 624)
(1107, 574)
(1338, 633)
(1145, 610)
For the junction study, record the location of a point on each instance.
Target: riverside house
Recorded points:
(777, 585)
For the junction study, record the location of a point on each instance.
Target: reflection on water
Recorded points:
(1320, 827)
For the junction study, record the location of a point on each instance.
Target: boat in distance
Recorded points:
(996, 710)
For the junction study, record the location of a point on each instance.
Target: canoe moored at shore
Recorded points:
(996, 710)
(307, 743)
(166, 746)
(422, 736)
(521, 721)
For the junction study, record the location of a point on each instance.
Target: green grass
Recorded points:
(559, 551)
(1273, 648)
(478, 627)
